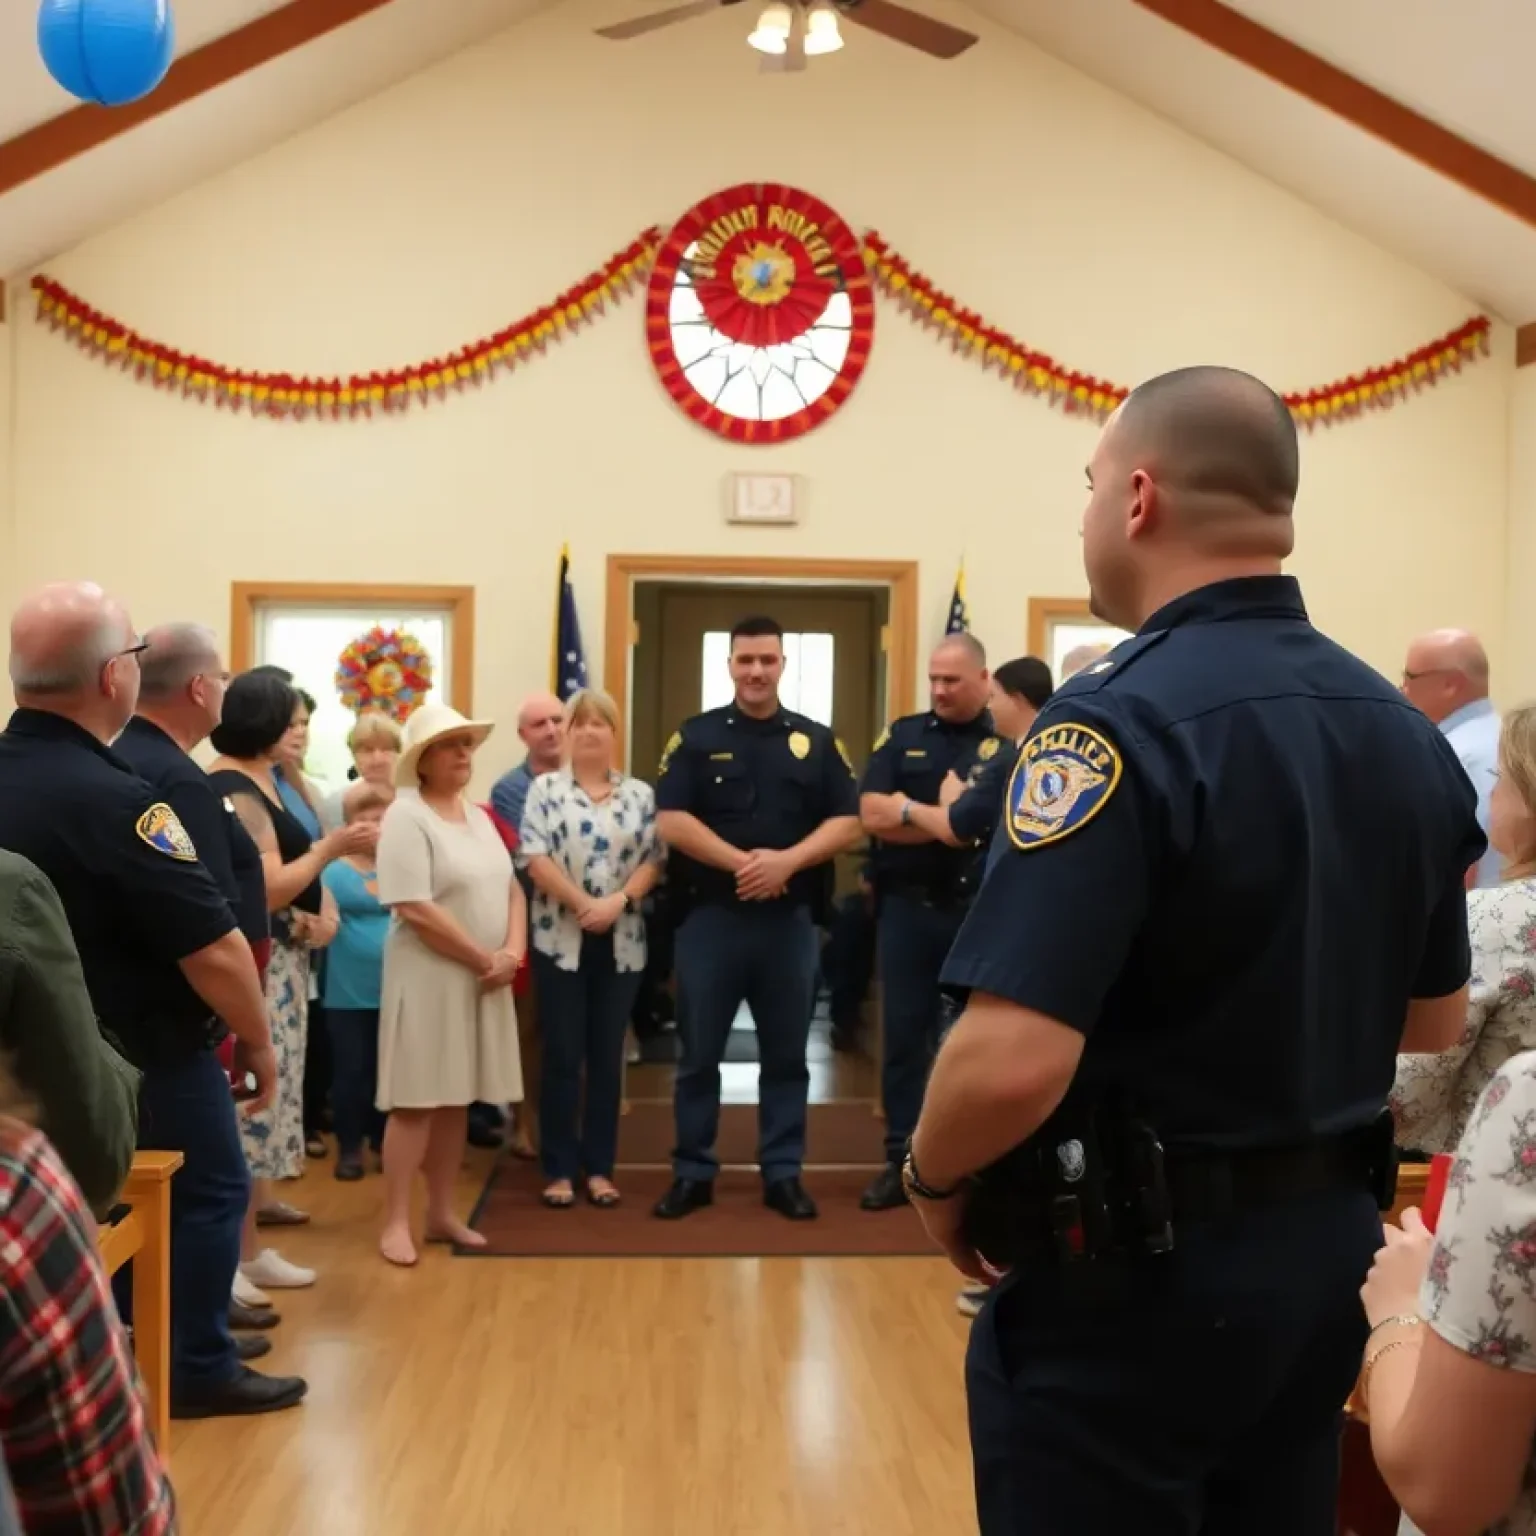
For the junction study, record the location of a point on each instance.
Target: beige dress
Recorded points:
(443, 1041)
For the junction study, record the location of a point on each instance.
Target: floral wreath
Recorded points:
(387, 670)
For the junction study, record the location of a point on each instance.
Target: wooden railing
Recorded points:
(143, 1238)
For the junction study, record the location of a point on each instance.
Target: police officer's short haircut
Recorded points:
(1025, 677)
(258, 708)
(76, 667)
(756, 626)
(1218, 432)
(964, 640)
(176, 654)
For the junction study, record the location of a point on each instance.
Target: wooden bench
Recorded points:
(143, 1238)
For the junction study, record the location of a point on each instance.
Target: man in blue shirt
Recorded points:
(541, 726)
(1446, 675)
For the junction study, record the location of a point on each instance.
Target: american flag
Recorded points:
(959, 615)
(567, 661)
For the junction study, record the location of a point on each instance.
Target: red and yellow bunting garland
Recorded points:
(387, 670)
(1044, 376)
(298, 397)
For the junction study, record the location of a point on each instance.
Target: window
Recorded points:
(1067, 636)
(806, 686)
(308, 641)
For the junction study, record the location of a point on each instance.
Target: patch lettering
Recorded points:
(1064, 777)
(161, 828)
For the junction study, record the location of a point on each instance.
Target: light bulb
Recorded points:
(772, 34)
(821, 31)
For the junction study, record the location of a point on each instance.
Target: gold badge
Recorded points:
(799, 743)
(674, 741)
(842, 752)
(161, 828)
(1062, 780)
(987, 750)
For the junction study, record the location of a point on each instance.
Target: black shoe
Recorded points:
(248, 1392)
(482, 1135)
(885, 1191)
(251, 1346)
(349, 1168)
(789, 1199)
(252, 1317)
(684, 1198)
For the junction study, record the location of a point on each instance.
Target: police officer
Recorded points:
(1228, 888)
(162, 956)
(754, 802)
(922, 886)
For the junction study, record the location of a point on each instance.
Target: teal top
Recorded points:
(354, 962)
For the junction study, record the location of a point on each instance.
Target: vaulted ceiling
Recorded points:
(1407, 120)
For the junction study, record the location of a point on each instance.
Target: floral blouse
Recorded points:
(598, 845)
(1479, 1293)
(1433, 1096)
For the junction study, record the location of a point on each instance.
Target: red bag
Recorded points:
(521, 981)
(1434, 1191)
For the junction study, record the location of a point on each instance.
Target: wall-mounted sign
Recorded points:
(762, 499)
(760, 313)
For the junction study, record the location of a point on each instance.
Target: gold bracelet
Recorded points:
(1370, 1365)
(1407, 1319)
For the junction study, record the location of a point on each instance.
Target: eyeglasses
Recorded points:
(1413, 677)
(132, 650)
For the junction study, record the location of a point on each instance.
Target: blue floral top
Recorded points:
(598, 845)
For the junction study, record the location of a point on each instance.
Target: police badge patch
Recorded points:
(842, 752)
(800, 744)
(1063, 779)
(161, 828)
(988, 749)
(674, 741)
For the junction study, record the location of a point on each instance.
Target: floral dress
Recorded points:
(1433, 1096)
(1479, 1293)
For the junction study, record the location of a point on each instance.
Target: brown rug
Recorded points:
(517, 1225)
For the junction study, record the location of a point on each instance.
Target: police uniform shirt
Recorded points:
(974, 816)
(225, 849)
(912, 758)
(137, 899)
(1231, 853)
(755, 784)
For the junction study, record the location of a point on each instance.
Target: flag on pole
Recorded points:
(567, 660)
(959, 615)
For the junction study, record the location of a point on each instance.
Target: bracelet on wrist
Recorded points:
(1402, 1320)
(1370, 1365)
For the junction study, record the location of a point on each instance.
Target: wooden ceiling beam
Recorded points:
(258, 42)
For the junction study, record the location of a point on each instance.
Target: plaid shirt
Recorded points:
(72, 1414)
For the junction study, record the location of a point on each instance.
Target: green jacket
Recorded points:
(85, 1094)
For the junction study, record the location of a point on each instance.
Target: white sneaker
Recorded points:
(248, 1295)
(271, 1269)
(968, 1302)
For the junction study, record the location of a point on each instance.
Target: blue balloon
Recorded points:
(109, 52)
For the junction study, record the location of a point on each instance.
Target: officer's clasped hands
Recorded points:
(764, 874)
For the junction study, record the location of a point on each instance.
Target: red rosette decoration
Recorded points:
(387, 670)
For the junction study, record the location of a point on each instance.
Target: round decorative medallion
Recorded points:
(760, 313)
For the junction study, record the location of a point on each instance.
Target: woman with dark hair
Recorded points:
(258, 712)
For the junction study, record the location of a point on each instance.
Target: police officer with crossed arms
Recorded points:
(753, 802)
(1228, 889)
(922, 885)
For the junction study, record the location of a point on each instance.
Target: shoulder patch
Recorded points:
(674, 741)
(842, 752)
(1064, 777)
(161, 828)
(881, 739)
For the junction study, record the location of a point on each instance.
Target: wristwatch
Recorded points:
(629, 901)
(912, 1181)
(906, 813)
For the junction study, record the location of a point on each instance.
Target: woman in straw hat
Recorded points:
(447, 1027)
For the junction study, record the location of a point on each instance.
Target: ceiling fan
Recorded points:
(788, 31)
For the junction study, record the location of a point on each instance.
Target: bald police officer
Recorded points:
(163, 959)
(753, 802)
(1227, 890)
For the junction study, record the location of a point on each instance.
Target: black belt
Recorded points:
(940, 901)
(1209, 1185)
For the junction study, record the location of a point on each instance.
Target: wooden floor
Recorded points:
(476, 1397)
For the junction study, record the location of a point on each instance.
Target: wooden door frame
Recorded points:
(899, 577)
(246, 597)
(1046, 611)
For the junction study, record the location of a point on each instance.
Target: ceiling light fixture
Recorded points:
(821, 30)
(772, 32)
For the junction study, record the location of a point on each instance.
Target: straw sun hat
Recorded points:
(428, 724)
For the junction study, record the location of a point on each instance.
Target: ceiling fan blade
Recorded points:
(793, 57)
(910, 27)
(620, 31)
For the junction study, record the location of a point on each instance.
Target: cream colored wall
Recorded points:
(478, 190)
(1518, 683)
(8, 569)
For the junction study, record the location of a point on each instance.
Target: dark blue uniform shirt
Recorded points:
(911, 759)
(226, 850)
(1231, 854)
(974, 816)
(137, 899)
(755, 784)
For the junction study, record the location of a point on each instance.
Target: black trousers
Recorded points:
(1203, 1396)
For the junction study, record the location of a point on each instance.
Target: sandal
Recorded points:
(558, 1199)
(281, 1214)
(605, 1198)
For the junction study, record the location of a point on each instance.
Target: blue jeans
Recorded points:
(355, 1078)
(187, 1108)
(764, 956)
(582, 1018)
